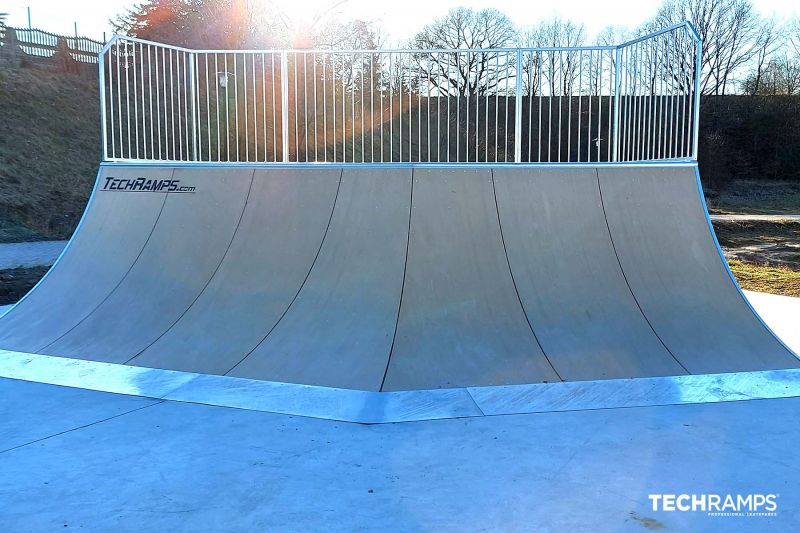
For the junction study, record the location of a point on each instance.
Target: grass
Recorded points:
(763, 278)
(748, 197)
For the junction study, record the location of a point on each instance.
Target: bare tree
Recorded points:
(731, 34)
(793, 30)
(473, 73)
(555, 69)
(770, 39)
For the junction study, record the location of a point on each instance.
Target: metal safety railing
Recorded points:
(634, 102)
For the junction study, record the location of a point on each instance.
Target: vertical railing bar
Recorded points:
(371, 58)
(496, 110)
(305, 101)
(641, 87)
(518, 109)
(458, 108)
(316, 106)
(505, 145)
(617, 90)
(128, 99)
(195, 125)
(162, 132)
(477, 108)
(285, 106)
(580, 103)
(685, 91)
(227, 111)
(381, 88)
(657, 66)
(135, 98)
(466, 111)
(562, 90)
(697, 76)
(438, 107)
(179, 138)
(274, 108)
(255, 106)
(590, 96)
(671, 92)
(101, 66)
(550, 107)
(361, 97)
(344, 113)
(428, 118)
(599, 103)
(487, 61)
(333, 98)
(542, 57)
(150, 99)
(325, 107)
(419, 110)
(296, 107)
(569, 106)
(410, 110)
(610, 113)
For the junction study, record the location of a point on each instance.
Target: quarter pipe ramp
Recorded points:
(397, 277)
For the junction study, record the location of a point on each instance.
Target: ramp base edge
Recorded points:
(367, 407)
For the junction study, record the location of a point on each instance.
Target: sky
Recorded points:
(400, 19)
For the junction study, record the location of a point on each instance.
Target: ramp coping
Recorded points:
(367, 407)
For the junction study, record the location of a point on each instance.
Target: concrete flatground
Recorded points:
(80, 459)
(77, 459)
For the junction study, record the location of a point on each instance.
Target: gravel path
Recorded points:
(755, 218)
(29, 254)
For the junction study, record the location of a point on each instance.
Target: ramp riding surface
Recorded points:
(398, 278)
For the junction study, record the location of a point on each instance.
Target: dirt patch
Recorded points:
(16, 282)
(773, 244)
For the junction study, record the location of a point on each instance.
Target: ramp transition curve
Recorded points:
(397, 277)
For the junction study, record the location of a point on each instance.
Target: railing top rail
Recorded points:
(686, 24)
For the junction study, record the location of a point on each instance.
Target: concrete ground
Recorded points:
(77, 459)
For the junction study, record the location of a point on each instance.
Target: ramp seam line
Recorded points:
(514, 281)
(625, 277)
(402, 285)
(303, 284)
(122, 279)
(210, 279)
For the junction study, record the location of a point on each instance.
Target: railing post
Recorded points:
(103, 133)
(617, 90)
(697, 75)
(518, 110)
(285, 104)
(193, 81)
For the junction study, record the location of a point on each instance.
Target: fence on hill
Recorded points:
(33, 47)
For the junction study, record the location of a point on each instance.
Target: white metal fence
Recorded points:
(632, 102)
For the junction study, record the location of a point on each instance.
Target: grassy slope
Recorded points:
(49, 151)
